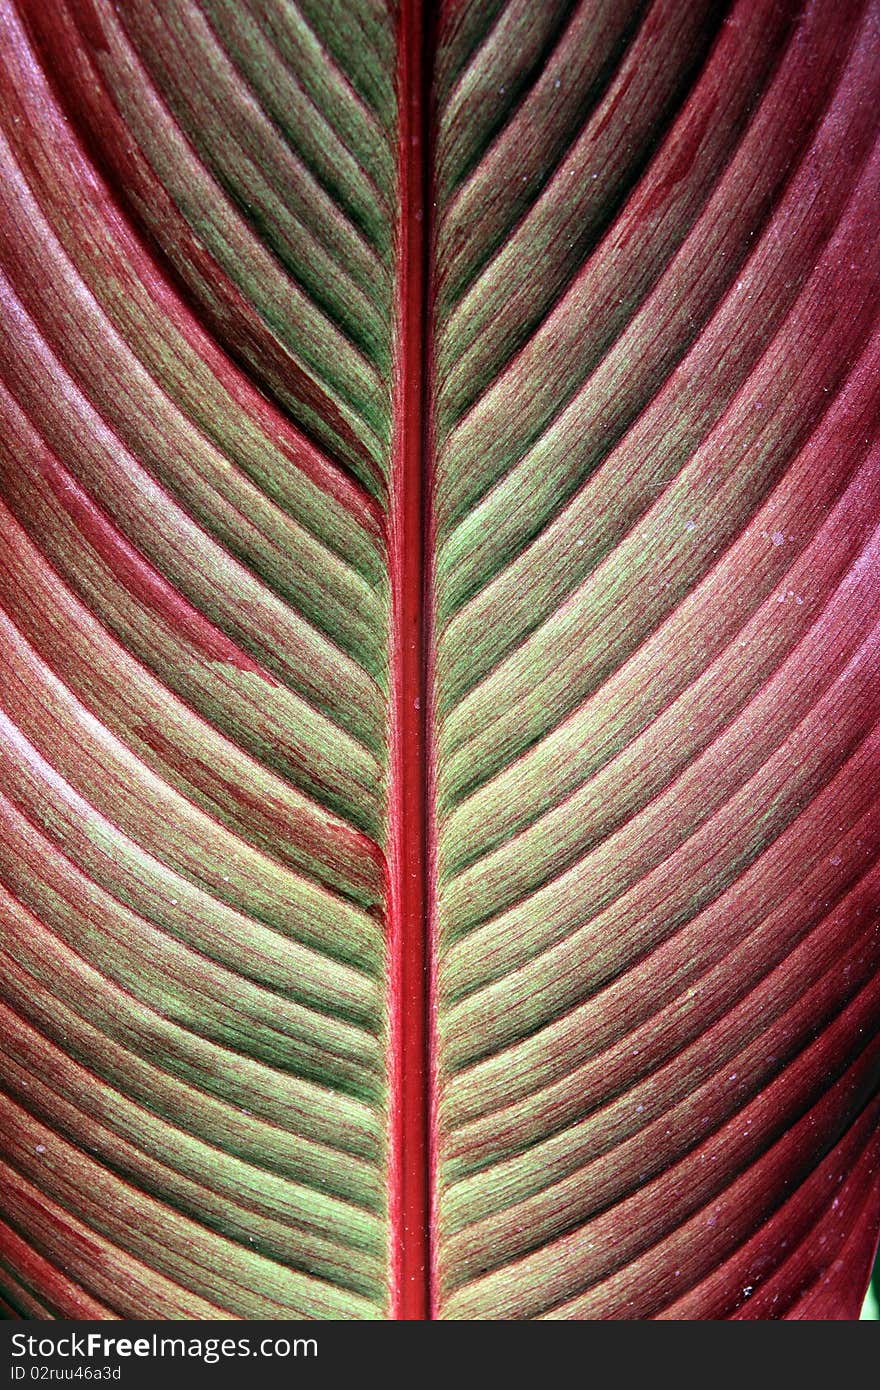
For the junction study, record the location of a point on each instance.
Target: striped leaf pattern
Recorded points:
(439, 673)
(197, 324)
(656, 661)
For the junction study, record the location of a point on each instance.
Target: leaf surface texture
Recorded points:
(439, 495)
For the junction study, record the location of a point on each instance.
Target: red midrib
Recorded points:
(410, 1098)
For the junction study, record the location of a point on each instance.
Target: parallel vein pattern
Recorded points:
(439, 527)
(656, 498)
(198, 212)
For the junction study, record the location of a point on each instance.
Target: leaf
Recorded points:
(439, 674)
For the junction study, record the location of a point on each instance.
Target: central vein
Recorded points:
(408, 1002)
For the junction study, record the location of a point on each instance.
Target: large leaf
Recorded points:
(439, 835)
